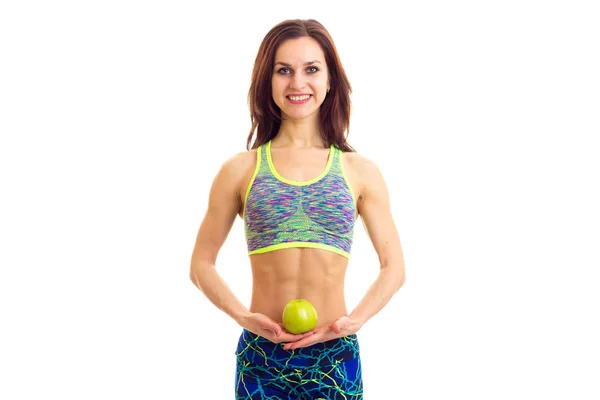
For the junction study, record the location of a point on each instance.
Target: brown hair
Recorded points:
(334, 113)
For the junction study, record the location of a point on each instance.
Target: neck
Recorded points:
(299, 134)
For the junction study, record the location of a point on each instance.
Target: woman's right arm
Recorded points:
(223, 206)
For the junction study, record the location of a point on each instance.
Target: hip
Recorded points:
(257, 350)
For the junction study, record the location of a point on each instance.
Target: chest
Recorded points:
(299, 165)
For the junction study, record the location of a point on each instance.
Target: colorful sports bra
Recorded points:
(280, 214)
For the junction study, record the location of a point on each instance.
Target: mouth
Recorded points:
(299, 99)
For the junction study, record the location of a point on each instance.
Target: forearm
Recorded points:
(388, 282)
(207, 279)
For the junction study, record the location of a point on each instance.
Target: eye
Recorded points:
(312, 69)
(284, 71)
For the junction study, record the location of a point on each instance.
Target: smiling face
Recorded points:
(300, 78)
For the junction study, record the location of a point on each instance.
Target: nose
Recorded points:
(297, 82)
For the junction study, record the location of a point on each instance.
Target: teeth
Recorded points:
(299, 98)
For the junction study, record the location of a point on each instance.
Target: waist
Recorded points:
(257, 350)
(285, 275)
(270, 300)
(328, 310)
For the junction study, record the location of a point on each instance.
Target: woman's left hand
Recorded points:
(341, 327)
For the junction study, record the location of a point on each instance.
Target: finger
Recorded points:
(297, 335)
(340, 324)
(309, 333)
(288, 337)
(307, 341)
(335, 327)
(276, 331)
(273, 327)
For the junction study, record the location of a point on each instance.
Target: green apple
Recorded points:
(299, 316)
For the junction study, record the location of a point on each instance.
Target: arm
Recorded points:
(374, 208)
(223, 206)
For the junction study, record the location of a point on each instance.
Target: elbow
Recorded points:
(193, 275)
(196, 273)
(396, 273)
(198, 269)
(400, 281)
(399, 276)
(197, 278)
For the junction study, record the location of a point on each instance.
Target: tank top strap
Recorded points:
(263, 168)
(336, 167)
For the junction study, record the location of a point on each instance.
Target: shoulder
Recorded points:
(239, 162)
(235, 169)
(360, 165)
(365, 172)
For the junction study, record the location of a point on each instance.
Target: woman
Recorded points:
(299, 189)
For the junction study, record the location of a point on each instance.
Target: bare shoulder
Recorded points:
(364, 172)
(223, 205)
(238, 166)
(240, 161)
(360, 163)
(229, 185)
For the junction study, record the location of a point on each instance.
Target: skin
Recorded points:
(317, 275)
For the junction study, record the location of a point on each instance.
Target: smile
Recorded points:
(299, 99)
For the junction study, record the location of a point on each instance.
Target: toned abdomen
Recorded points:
(312, 274)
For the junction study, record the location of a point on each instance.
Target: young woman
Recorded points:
(299, 189)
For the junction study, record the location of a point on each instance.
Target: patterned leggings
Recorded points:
(330, 370)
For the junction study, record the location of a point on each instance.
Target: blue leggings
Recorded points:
(265, 371)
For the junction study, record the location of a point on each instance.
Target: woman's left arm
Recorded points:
(375, 211)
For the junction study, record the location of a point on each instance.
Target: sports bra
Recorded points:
(280, 213)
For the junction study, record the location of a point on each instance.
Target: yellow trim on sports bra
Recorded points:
(343, 168)
(297, 245)
(258, 156)
(299, 183)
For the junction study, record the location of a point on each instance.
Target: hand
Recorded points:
(341, 327)
(264, 326)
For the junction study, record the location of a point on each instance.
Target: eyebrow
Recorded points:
(306, 63)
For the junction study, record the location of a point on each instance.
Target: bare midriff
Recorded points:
(299, 273)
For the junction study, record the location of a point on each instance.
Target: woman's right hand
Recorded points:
(264, 326)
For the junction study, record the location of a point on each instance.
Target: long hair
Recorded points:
(334, 114)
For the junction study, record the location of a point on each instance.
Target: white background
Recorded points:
(116, 115)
